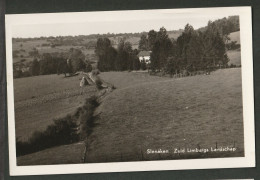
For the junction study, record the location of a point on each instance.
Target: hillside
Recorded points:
(55, 155)
(131, 117)
(41, 99)
(235, 36)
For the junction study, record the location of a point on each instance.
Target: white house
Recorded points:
(144, 55)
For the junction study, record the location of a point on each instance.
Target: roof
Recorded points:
(144, 53)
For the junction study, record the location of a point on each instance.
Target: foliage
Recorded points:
(95, 72)
(106, 54)
(143, 65)
(161, 50)
(120, 59)
(232, 45)
(77, 58)
(98, 83)
(193, 51)
(143, 43)
(88, 67)
(86, 117)
(63, 131)
(35, 68)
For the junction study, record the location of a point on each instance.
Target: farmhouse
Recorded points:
(144, 55)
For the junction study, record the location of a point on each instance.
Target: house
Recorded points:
(144, 55)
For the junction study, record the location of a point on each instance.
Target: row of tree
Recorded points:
(120, 59)
(60, 63)
(193, 50)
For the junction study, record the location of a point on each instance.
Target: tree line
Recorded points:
(56, 63)
(194, 50)
(112, 59)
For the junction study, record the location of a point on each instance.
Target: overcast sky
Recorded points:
(63, 24)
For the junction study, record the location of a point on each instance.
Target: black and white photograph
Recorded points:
(112, 91)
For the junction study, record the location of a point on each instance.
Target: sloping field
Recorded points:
(235, 36)
(234, 57)
(40, 99)
(126, 79)
(65, 154)
(32, 87)
(144, 112)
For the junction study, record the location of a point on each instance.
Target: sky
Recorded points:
(63, 24)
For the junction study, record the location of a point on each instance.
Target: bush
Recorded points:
(86, 117)
(143, 65)
(98, 83)
(63, 131)
(95, 72)
(88, 67)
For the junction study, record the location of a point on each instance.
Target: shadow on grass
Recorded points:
(66, 130)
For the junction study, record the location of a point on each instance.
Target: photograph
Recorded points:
(135, 90)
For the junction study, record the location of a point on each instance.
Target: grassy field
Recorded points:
(40, 99)
(234, 57)
(144, 112)
(32, 87)
(147, 112)
(235, 36)
(65, 154)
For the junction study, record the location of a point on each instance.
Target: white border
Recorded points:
(247, 91)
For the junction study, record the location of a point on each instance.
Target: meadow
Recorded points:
(201, 111)
(143, 112)
(25, 47)
(64, 154)
(40, 99)
(235, 36)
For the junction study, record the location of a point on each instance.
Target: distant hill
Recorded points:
(22, 47)
(226, 25)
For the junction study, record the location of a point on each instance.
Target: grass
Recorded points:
(128, 79)
(29, 45)
(40, 99)
(235, 36)
(148, 113)
(234, 57)
(26, 88)
(65, 154)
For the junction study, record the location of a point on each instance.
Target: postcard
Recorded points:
(136, 90)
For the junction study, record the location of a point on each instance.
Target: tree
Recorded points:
(143, 65)
(63, 68)
(35, 68)
(34, 53)
(106, 54)
(152, 35)
(189, 48)
(214, 50)
(161, 50)
(88, 67)
(143, 43)
(77, 60)
(136, 63)
(122, 57)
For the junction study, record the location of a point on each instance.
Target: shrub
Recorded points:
(98, 83)
(113, 87)
(63, 131)
(86, 116)
(143, 65)
(95, 72)
(88, 67)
